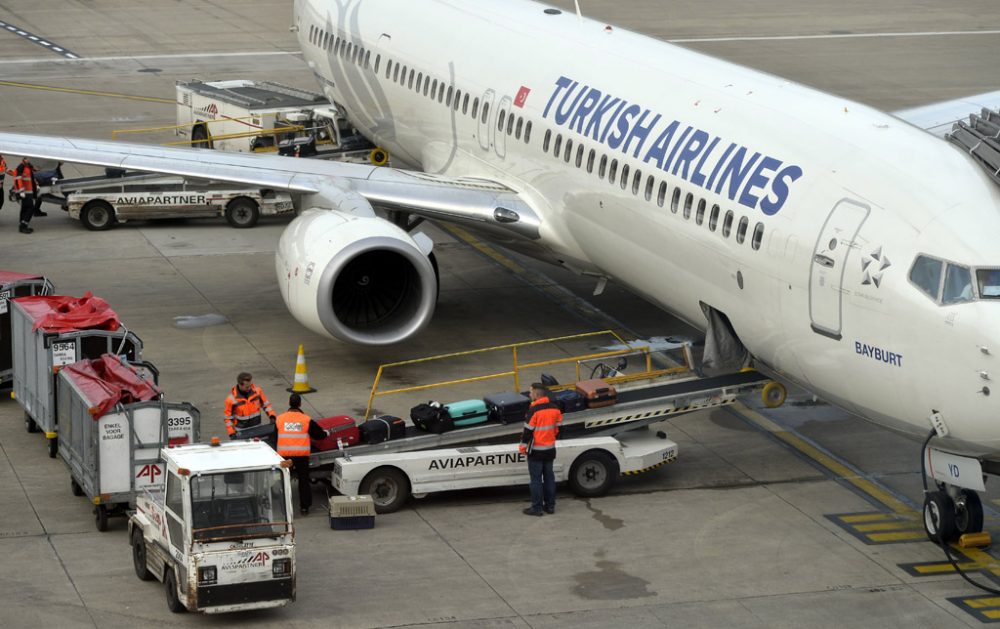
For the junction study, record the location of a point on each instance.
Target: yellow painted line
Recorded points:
(897, 537)
(823, 459)
(979, 603)
(867, 517)
(889, 526)
(992, 614)
(486, 250)
(67, 90)
(941, 568)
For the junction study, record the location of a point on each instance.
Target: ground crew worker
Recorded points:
(24, 188)
(3, 175)
(295, 430)
(538, 441)
(245, 405)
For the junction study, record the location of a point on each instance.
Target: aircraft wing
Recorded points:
(938, 118)
(478, 204)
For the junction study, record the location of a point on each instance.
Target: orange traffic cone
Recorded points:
(301, 382)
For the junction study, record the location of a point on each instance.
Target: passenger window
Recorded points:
(441, 92)
(388, 68)
(527, 132)
(603, 167)
(517, 129)
(510, 123)
(758, 236)
(957, 285)
(636, 181)
(688, 202)
(727, 224)
(989, 283)
(465, 104)
(475, 107)
(402, 80)
(741, 231)
(590, 160)
(613, 170)
(350, 47)
(378, 60)
(661, 196)
(649, 187)
(579, 155)
(412, 78)
(558, 145)
(395, 74)
(420, 80)
(624, 176)
(699, 216)
(486, 112)
(713, 218)
(569, 150)
(434, 88)
(926, 275)
(447, 99)
(501, 119)
(368, 58)
(675, 201)
(545, 140)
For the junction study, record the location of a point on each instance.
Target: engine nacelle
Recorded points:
(356, 278)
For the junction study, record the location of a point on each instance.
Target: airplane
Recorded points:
(844, 249)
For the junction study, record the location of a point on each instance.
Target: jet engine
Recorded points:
(355, 277)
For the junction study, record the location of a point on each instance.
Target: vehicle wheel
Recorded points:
(593, 473)
(101, 518)
(139, 556)
(774, 394)
(199, 137)
(968, 513)
(173, 598)
(97, 216)
(939, 517)
(388, 487)
(242, 213)
(29, 423)
(378, 157)
(53, 447)
(75, 487)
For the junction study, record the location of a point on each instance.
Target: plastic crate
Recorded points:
(351, 513)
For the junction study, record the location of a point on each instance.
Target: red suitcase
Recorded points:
(598, 393)
(344, 428)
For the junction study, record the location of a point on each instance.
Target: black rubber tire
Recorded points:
(139, 556)
(29, 423)
(199, 137)
(388, 487)
(939, 517)
(53, 447)
(101, 518)
(75, 487)
(242, 213)
(97, 215)
(593, 473)
(170, 587)
(968, 513)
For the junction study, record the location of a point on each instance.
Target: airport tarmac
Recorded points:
(797, 517)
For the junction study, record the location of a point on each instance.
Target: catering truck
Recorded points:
(219, 533)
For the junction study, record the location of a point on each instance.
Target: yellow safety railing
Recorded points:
(228, 136)
(518, 366)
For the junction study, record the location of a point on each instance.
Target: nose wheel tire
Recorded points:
(939, 517)
(388, 487)
(968, 513)
(774, 394)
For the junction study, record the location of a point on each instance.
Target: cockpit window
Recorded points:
(926, 275)
(988, 281)
(957, 285)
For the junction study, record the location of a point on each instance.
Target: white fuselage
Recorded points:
(839, 197)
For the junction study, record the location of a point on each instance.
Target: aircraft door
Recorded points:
(829, 262)
(484, 120)
(502, 117)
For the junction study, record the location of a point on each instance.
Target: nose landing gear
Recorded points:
(951, 512)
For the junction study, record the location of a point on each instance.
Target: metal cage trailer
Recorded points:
(219, 535)
(12, 286)
(39, 355)
(114, 456)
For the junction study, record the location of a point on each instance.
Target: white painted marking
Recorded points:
(833, 36)
(44, 43)
(269, 53)
(57, 49)
(32, 38)
(10, 28)
(70, 55)
(22, 33)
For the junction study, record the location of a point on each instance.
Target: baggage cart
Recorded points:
(13, 285)
(62, 339)
(112, 424)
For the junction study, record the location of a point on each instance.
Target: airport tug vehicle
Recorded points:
(219, 533)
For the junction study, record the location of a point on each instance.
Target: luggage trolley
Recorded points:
(13, 285)
(112, 448)
(39, 354)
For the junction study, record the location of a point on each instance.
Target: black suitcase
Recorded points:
(382, 428)
(431, 417)
(507, 407)
(266, 432)
(569, 401)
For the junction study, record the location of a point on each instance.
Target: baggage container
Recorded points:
(342, 427)
(382, 428)
(112, 426)
(467, 413)
(569, 401)
(352, 513)
(597, 392)
(49, 332)
(508, 407)
(13, 285)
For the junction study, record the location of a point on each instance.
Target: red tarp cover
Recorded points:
(9, 277)
(105, 382)
(57, 313)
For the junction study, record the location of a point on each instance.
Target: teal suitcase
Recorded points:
(467, 413)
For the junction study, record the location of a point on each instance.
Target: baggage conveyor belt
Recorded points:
(637, 407)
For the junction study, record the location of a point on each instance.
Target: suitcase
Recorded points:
(383, 428)
(508, 407)
(569, 401)
(597, 392)
(467, 413)
(431, 417)
(343, 427)
(266, 432)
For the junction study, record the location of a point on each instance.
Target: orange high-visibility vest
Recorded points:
(3, 168)
(245, 411)
(543, 424)
(24, 181)
(293, 434)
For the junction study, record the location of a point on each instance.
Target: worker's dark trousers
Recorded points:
(27, 208)
(301, 466)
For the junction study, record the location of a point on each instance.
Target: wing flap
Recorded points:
(938, 118)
